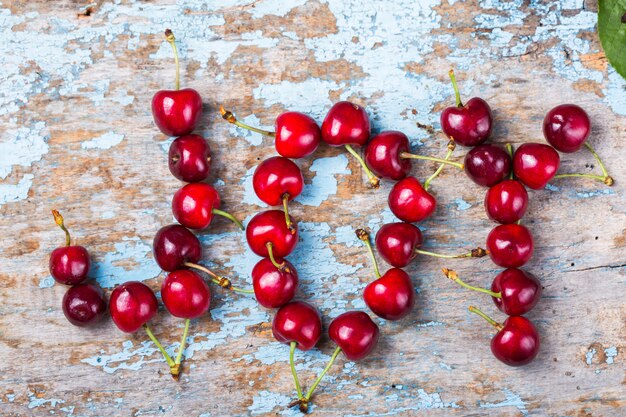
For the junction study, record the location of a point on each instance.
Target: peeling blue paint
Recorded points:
(511, 400)
(105, 141)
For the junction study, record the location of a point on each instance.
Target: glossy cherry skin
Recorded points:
(193, 205)
(274, 178)
(274, 288)
(520, 291)
(69, 265)
(410, 202)
(391, 296)
(469, 125)
(185, 294)
(566, 127)
(298, 322)
(190, 158)
(396, 243)
(517, 343)
(297, 135)
(382, 155)
(84, 305)
(355, 333)
(510, 245)
(132, 305)
(174, 245)
(506, 202)
(535, 164)
(346, 123)
(269, 226)
(487, 164)
(176, 112)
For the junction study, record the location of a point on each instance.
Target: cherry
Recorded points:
(132, 305)
(298, 322)
(176, 112)
(517, 340)
(514, 291)
(396, 243)
(185, 294)
(274, 287)
(535, 164)
(469, 124)
(410, 202)
(173, 246)
(510, 245)
(487, 164)
(68, 265)
(190, 158)
(355, 334)
(296, 136)
(566, 127)
(268, 236)
(506, 202)
(84, 305)
(195, 204)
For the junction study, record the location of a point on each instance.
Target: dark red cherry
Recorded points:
(410, 202)
(382, 155)
(84, 305)
(274, 287)
(535, 164)
(174, 245)
(193, 205)
(176, 112)
(396, 243)
(69, 264)
(566, 127)
(346, 124)
(517, 343)
(297, 135)
(185, 294)
(132, 305)
(355, 333)
(298, 322)
(487, 164)
(391, 296)
(190, 158)
(519, 291)
(506, 202)
(270, 227)
(276, 178)
(510, 245)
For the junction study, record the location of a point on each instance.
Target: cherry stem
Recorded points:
(365, 237)
(288, 221)
(319, 378)
(451, 147)
(229, 217)
(605, 177)
(282, 266)
(175, 370)
(456, 88)
(454, 277)
(406, 155)
(218, 279)
(58, 219)
(486, 317)
(230, 118)
(509, 149)
(169, 36)
(292, 349)
(374, 180)
(474, 253)
(167, 357)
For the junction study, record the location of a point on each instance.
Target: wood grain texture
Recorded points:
(76, 134)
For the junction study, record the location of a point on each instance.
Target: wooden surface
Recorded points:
(76, 134)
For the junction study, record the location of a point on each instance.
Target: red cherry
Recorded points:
(469, 124)
(506, 202)
(268, 230)
(346, 123)
(396, 243)
(297, 135)
(190, 158)
(132, 305)
(535, 164)
(277, 179)
(382, 155)
(84, 305)
(174, 245)
(195, 204)
(391, 296)
(510, 245)
(185, 294)
(298, 322)
(274, 287)
(519, 291)
(355, 333)
(68, 265)
(487, 164)
(566, 127)
(410, 202)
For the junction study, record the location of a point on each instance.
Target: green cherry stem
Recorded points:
(288, 221)
(218, 279)
(365, 237)
(175, 371)
(270, 252)
(374, 180)
(406, 155)
(159, 346)
(486, 317)
(605, 177)
(457, 94)
(307, 397)
(58, 219)
(509, 149)
(292, 350)
(230, 118)
(454, 277)
(451, 147)
(229, 217)
(474, 253)
(169, 36)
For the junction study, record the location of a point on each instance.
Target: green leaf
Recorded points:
(612, 31)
